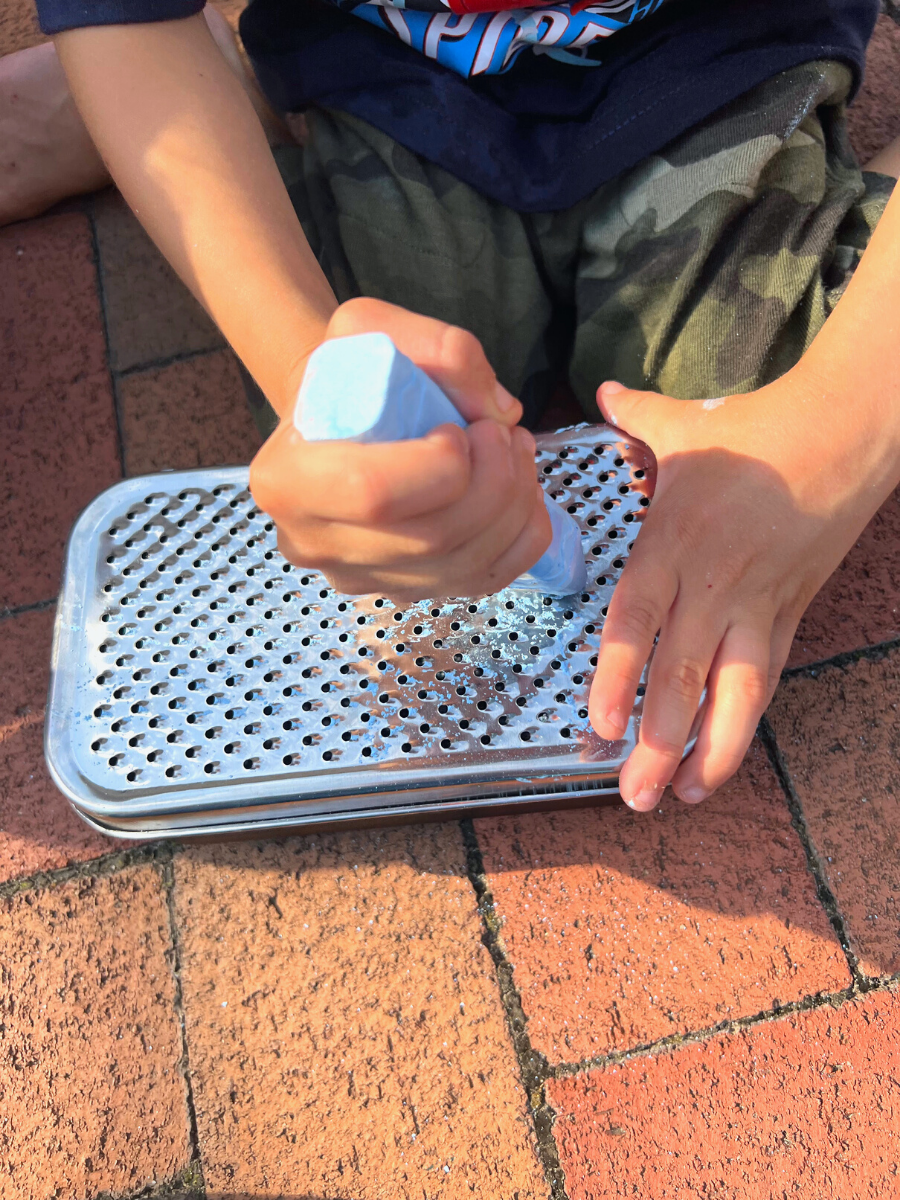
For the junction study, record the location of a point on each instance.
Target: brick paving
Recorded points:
(345, 1032)
(625, 929)
(803, 1106)
(839, 737)
(190, 413)
(58, 439)
(575, 1005)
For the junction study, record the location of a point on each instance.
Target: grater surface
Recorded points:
(200, 681)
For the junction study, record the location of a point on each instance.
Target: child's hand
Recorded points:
(758, 498)
(459, 512)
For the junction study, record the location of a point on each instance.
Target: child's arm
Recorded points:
(185, 147)
(454, 513)
(758, 499)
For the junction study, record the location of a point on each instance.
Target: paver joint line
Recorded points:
(104, 317)
(168, 360)
(874, 653)
(20, 610)
(533, 1065)
(91, 868)
(826, 896)
(168, 877)
(676, 1041)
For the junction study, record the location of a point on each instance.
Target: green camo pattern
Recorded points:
(704, 271)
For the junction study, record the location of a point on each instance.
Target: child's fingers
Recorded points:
(453, 357)
(293, 480)
(637, 611)
(678, 674)
(407, 580)
(473, 570)
(483, 523)
(525, 549)
(739, 687)
(458, 545)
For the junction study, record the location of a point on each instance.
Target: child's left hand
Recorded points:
(758, 498)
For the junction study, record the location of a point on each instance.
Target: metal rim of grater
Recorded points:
(201, 685)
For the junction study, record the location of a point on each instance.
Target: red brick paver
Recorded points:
(190, 414)
(875, 116)
(624, 928)
(860, 603)
(806, 1107)
(91, 1096)
(18, 26)
(840, 737)
(38, 829)
(58, 441)
(345, 1029)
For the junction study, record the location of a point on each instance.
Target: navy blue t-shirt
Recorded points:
(533, 106)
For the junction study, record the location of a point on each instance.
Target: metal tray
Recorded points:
(201, 685)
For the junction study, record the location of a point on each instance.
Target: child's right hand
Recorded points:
(456, 513)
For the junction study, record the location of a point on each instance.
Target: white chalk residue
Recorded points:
(715, 402)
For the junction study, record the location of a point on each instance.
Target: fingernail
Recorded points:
(505, 400)
(616, 721)
(441, 432)
(611, 387)
(644, 799)
(693, 795)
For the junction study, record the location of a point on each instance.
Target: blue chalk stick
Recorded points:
(362, 389)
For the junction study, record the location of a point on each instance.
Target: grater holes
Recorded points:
(341, 676)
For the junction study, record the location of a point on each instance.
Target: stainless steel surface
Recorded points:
(200, 683)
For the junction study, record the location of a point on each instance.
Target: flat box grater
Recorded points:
(202, 686)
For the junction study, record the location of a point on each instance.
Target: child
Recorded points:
(660, 193)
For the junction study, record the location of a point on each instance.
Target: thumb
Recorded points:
(642, 415)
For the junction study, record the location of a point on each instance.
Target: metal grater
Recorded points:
(201, 685)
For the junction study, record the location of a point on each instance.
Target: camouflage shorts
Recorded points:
(705, 270)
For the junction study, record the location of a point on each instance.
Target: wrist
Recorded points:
(841, 429)
(284, 402)
(279, 370)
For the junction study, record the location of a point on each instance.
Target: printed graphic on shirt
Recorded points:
(485, 37)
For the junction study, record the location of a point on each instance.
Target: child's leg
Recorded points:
(387, 224)
(47, 154)
(709, 269)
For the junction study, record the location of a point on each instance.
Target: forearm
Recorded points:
(855, 359)
(182, 141)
